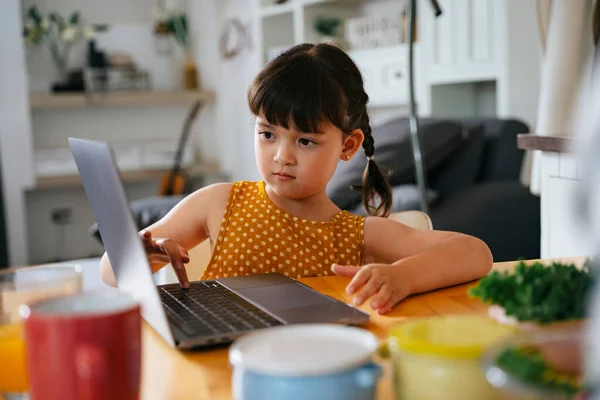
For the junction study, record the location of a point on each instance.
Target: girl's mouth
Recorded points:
(283, 177)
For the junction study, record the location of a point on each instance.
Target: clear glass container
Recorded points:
(564, 346)
(19, 286)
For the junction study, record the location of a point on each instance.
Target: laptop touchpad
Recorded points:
(281, 297)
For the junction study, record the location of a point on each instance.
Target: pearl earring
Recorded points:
(347, 157)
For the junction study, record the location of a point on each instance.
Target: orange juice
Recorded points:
(13, 369)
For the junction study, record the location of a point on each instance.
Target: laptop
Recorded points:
(209, 312)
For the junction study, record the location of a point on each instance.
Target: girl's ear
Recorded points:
(352, 144)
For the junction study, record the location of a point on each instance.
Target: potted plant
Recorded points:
(57, 35)
(327, 28)
(175, 24)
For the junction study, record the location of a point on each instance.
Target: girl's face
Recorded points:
(297, 164)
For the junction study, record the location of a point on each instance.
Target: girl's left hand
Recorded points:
(381, 283)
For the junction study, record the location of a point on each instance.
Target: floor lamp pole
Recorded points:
(413, 120)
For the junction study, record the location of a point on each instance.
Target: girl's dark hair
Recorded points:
(309, 85)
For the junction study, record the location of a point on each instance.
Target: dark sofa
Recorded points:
(473, 169)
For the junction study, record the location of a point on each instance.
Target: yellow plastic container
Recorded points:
(439, 357)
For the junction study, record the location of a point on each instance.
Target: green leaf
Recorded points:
(75, 17)
(34, 15)
(170, 24)
(34, 35)
(58, 20)
(184, 24)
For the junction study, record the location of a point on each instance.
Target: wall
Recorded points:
(15, 139)
(518, 97)
(235, 126)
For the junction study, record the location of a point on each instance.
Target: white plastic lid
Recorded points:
(300, 350)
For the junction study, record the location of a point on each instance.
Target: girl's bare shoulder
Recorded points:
(215, 193)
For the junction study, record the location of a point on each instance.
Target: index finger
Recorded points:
(172, 251)
(359, 280)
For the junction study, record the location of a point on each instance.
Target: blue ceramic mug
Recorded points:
(316, 361)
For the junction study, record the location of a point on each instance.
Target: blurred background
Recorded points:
(129, 72)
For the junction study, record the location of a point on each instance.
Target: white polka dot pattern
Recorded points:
(258, 237)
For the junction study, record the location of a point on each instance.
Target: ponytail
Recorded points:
(374, 183)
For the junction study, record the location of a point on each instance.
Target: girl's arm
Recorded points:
(189, 223)
(428, 259)
(410, 261)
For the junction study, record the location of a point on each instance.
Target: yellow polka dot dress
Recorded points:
(257, 237)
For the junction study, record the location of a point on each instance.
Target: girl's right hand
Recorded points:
(167, 250)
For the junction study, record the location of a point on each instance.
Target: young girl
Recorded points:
(311, 112)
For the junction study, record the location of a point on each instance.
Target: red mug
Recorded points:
(84, 347)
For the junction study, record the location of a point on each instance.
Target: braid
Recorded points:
(369, 142)
(374, 183)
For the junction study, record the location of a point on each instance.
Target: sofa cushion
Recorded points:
(501, 159)
(462, 168)
(504, 214)
(393, 153)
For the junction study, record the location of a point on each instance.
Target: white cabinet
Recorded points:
(483, 54)
(480, 58)
(462, 44)
(561, 177)
(385, 72)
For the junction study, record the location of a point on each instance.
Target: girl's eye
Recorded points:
(306, 142)
(267, 135)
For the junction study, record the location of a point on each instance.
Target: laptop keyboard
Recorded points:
(208, 309)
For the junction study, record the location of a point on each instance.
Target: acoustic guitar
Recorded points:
(174, 181)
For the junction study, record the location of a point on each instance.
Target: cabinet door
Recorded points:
(461, 44)
(564, 236)
(385, 72)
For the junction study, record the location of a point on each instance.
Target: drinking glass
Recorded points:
(19, 286)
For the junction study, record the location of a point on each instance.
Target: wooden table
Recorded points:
(205, 374)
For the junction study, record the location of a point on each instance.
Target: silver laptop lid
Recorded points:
(110, 207)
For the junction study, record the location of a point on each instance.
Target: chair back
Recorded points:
(413, 218)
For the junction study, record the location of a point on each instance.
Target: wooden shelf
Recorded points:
(46, 101)
(307, 3)
(554, 144)
(196, 170)
(276, 9)
(288, 8)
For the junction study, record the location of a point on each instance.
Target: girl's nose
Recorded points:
(285, 155)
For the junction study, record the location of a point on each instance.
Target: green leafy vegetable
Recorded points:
(537, 292)
(527, 365)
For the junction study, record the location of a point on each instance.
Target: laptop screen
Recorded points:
(106, 195)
